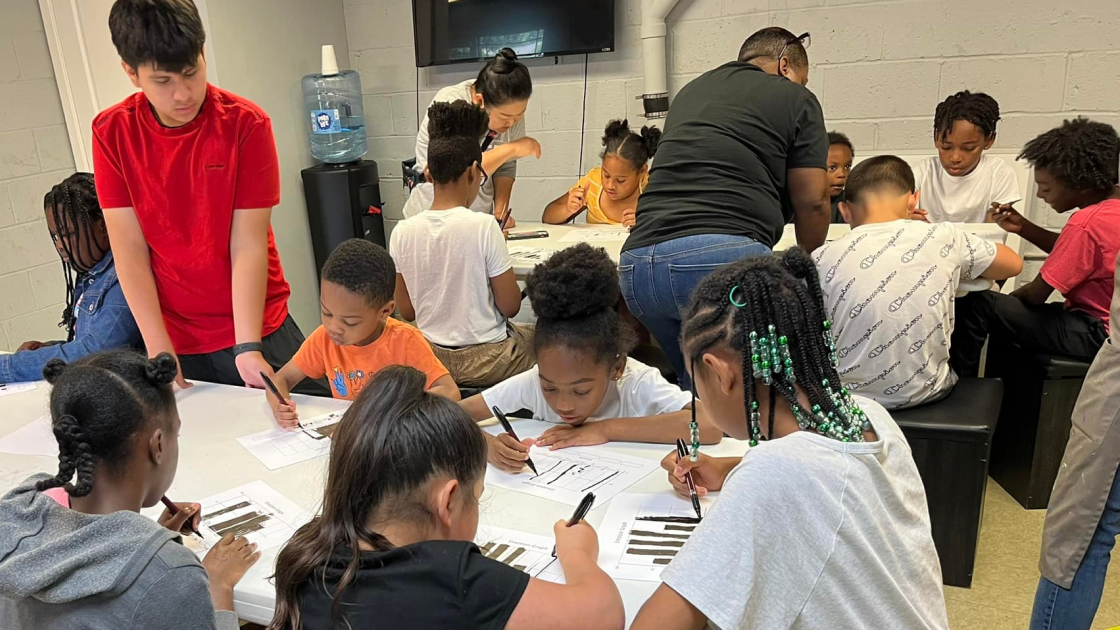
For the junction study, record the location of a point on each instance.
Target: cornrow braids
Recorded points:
(1082, 154)
(975, 107)
(97, 404)
(771, 310)
(74, 208)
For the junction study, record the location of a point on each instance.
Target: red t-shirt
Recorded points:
(1082, 263)
(185, 184)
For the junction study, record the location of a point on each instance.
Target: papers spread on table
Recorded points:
(529, 553)
(34, 438)
(594, 235)
(277, 447)
(527, 254)
(642, 533)
(7, 389)
(568, 474)
(255, 510)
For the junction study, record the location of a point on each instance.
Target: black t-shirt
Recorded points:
(436, 584)
(731, 135)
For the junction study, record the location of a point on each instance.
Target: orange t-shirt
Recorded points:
(349, 368)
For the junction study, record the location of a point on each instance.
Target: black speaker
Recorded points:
(343, 202)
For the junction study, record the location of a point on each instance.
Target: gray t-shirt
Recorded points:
(812, 533)
(889, 290)
(421, 197)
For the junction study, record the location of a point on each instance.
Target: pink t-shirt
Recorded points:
(1082, 263)
(59, 494)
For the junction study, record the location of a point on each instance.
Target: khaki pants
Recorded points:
(490, 363)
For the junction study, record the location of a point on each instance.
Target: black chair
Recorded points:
(951, 440)
(1034, 422)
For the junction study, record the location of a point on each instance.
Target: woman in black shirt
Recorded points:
(392, 548)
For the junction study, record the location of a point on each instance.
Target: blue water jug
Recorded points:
(333, 101)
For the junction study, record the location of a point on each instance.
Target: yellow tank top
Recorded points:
(594, 183)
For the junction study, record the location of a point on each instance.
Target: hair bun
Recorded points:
(575, 282)
(53, 370)
(162, 369)
(616, 130)
(508, 54)
(651, 137)
(799, 264)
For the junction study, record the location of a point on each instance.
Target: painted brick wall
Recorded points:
(34, 155)
(879, 69)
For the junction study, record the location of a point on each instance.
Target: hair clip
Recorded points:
(731, 297)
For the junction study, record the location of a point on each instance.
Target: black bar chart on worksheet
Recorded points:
(566, 475)
(642, 533)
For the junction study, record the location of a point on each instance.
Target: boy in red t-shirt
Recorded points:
(187, 175)
(1075, 166)
(358, 337)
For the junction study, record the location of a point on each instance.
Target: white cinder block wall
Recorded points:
(34, 155)
(879, 68)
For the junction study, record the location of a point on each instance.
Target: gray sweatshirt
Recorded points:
(60, 568)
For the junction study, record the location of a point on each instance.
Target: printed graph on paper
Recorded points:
(527, 254)
(277, 448)
(255, 511)
(530, 553)
(642, 533)
(566, 475)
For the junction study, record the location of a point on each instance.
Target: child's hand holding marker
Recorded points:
(1007, 217)
(708, 472)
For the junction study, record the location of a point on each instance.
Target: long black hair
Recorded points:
(771, 310)
(97, 404)
(504, 79)
(391, 441)
(635, 148)
(575, 297)
(75, 211)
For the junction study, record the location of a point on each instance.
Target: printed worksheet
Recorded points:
(277, 447)
(595, 235)
(527, 254)
(641, 533)
(530, 553)
(7, 389)
(567, 474)
(255, 511)
(34, 438)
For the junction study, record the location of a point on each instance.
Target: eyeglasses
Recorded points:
(485, 177)
(805, 40)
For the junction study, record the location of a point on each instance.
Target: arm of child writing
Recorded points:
(660, 429)
(667, 610)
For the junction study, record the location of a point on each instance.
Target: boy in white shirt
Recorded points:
(961, 184)
(889, 287)
(454, 274)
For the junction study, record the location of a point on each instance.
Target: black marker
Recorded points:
(509, 431)
(682, 452)
(581, 511)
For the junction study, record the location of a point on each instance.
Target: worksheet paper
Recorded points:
(529, 553)
(527, 254)
(34, 438)
(594, 235)
(255, 510)
(568, 474)
(277, 447)
(7, 389)
(641, 533)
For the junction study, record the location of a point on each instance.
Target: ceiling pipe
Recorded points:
(655, 99)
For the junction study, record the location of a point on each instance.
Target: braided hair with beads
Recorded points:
(975, 107)
(97, 404)
(771, 310)
(73, 207)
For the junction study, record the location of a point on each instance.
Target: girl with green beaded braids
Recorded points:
(823, 523)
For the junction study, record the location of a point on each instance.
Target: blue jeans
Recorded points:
(657, 282)
(1058, 609)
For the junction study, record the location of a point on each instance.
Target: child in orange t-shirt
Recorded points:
(358, 337)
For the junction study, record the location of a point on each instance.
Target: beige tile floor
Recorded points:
(1006, 572)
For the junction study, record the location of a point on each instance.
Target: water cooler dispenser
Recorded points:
(343, 202)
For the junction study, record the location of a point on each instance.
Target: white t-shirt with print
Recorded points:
(889, 289)
(965, 199)
(812, 533)
(447, 258)
(641, 391)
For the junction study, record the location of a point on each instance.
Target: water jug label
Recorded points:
(325, 121)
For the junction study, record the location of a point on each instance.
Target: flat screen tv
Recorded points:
(454, 31)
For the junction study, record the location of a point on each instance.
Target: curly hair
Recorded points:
(362, 268)
(771, 310)
(635, 148)
(975, 107)
(1081, 154)
(575, 294)
(97, 404)
(835, 137)
(454, 133)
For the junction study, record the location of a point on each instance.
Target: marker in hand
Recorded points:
(173, 509)
(509, 431)
(682, 452)
(581, 511)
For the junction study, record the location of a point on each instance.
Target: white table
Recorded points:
(211, 461)
(553, 242)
